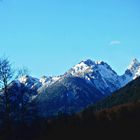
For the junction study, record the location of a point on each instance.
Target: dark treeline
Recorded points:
(12, 104)
(118, 122)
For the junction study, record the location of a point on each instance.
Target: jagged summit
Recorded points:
(132, 72)
(133, 68)
(30, 82)
(88, 62)
(97, 73)
(135, 64)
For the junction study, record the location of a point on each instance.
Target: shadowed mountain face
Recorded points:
(69, 95)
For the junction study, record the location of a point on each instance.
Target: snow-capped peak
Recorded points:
(30, 82)
(132, 72)
(135, 64)
(133, 69)
(25, 79)
(82, 67)
(89, 66)
(88, 62)
(97, 73)
(49, 80)
(44, 79)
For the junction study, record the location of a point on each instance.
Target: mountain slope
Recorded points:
(117, 115)
(69, 95)
(97, 73)
(129, 93)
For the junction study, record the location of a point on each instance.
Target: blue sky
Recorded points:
(50, 36)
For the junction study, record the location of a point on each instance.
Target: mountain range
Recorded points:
(83, 85)
(92, 72)
(89, 100)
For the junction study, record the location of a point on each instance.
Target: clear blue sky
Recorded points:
(50, 36)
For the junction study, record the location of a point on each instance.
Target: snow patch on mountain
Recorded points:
(30, 82)
(47, 81)
(35, 83)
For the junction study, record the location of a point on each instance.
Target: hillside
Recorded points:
(117, 115)
(120, 119)
(129, 93)
(119, 122)
(69, 95)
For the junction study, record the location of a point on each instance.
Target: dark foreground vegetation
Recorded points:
(118, 122)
